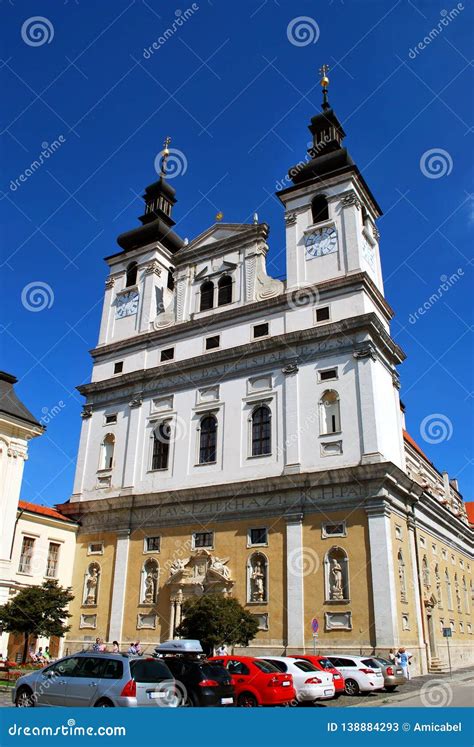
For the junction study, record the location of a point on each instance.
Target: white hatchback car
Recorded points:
(310, 683)
(358, 676)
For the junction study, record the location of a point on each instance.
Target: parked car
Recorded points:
(393, 675)
(323, 663)
(358, 677)
(310, 683)
(200, 682)
(256, 682)
(99, 680)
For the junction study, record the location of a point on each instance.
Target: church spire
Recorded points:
(323, 71)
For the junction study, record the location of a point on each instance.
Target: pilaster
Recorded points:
(294, 581)
(383, 575)
(119, 585)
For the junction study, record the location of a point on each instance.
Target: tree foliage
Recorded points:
(37, 611)
(215, 619)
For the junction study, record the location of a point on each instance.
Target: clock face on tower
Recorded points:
(127, 304)
(319, 243)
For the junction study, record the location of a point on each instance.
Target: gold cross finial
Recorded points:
(323, 70)
(165, 155)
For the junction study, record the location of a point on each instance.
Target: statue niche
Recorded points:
(257, 579)
(336, 565)
(91, 584)
(150, 581)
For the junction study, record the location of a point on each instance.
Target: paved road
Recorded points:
(429, 691)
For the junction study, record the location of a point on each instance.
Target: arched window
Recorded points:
(257, 578)
(401, 576)
(449, 592)
(207, 439)
(107, 456)
(465, 594)
(261, 431)
(425, 572)
(91, 584)
(329, 413)
(207, 295)
(336, 575)
(149, 581)
(224, 293)
(319, 209)
(161, 446)
(131, 274)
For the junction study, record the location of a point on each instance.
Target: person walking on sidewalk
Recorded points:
(403, 658)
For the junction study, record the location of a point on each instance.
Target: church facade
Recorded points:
(245, 435)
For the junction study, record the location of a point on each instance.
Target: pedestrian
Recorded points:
(102, 646)
(222, 650)
(96, 645)
(403, 658)
(115, 647)
(132, 649)
(392, 657)
(138, 648)
(47, 654)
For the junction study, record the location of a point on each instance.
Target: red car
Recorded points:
(256, 682)
(321, 662)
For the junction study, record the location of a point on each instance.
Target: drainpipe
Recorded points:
(19, 515)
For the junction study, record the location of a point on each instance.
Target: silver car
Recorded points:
(393, 675)
(99, 680)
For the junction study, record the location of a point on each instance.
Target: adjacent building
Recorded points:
(245, 435)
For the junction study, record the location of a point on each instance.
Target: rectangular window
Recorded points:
(258, 536)
(26, 555)
(118, 367)
(53, 558)
(213, 342)
(322, 314)
(260, 330)
(161, 446)
(334, 529)
(203, 539)
(95, 548)
(152, 544)
(110, 419)
(167, 355)
(328, 374)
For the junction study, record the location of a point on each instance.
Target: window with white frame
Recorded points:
(95, 548)
(333, 529)
(329, 413)
(327, 374)
(152, 544)
(208, 439)
(257, 536)
(203, 539)
(26, 555)
(161, 446)
(107, 451)
(261, 420)
(53, 560)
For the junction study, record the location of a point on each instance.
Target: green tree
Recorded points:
(216, 619)
(37, 611)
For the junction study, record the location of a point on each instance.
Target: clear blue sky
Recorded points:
(236, 96)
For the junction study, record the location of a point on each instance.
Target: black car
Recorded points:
(204, 683)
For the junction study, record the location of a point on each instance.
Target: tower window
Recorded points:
(328, 374)
(161, 446)
(260, 330)
(170, 281)
(118, 367)
(208, 440)
(132, 270)
(322, 314)
(224, 294)
(330, 413)
(207, 295)
(213, 342)
(261, 431)
(319, 209)
(167, 355)
(107, 458)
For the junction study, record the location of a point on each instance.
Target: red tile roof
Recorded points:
(470, 511)
(42, 510)
(413, 443)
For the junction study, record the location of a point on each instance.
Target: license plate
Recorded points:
(399, 671)
(154, 695)
(285, 684)
(328, 692)
(227, 701)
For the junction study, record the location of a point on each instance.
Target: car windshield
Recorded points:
(213, 671)
(265, 666)
(371, 663)
(305, 666)
(149, 670)
(280, 665)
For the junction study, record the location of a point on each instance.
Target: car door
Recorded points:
(53, 682)
(84, 681)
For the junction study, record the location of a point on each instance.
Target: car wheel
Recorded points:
(24, 698)
(351, 687)
(247, 700)
(104, 703)
(391, 688)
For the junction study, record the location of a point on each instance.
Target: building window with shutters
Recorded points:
(26, 555)
(53, 559)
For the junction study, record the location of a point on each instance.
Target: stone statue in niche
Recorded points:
(149, 588)
(336, 580)
(257, 581)
(92, 582)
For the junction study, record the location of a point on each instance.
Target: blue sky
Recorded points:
(236, 93)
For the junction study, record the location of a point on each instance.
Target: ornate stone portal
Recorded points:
(201, 573)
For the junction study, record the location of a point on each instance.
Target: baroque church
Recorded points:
(245, 435)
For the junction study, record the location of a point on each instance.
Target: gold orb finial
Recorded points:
(219, 215)
(323, 71)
